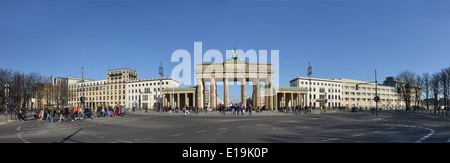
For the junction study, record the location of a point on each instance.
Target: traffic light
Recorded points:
(376, 98)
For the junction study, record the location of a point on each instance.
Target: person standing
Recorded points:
(223, 110)
(232, 109)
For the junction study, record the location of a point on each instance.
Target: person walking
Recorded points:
(232, 109)
(61, 114)
(223, 110)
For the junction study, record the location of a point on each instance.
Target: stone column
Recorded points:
(244, 92)
(193, 100)
(271, 95)
(171, 100)
(258, 93)
(186, 100)
(292, 100)
(164, 100)
(254, 94)
(199, 93)
(225, 92)
(213, 99)
(178, 100)
(275, 97)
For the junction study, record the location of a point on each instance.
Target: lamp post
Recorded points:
(7, 101)
(309, 75)
(160, 86)
(377, 98)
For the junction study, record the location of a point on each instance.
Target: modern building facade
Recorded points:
(102, 93)
(357, 93)
(323, 92)
(145, 93)
(349, 93)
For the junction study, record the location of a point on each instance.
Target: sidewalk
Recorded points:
(3, 121)
(228, 113)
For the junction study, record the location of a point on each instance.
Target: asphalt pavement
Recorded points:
(212, 127)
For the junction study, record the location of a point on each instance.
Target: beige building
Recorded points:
(144, 93)
(109, 92)
(361, 94)
(348, 93)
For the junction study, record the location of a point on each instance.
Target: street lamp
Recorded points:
(160, 86)
(7, 101)
(309, 75)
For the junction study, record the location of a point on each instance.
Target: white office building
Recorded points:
(324, 92)
(144, 93)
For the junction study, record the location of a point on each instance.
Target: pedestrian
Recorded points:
(242, 109)
(19, 115)
(103, 112)
(61, 114)
(187, 111)
(53, 115)
(15, 114)
(223, 110)
(66, 113)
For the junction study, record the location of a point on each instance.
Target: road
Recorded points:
(340, 127)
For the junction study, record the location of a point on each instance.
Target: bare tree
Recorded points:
(445, 81)
(5, 77)
(434, 85)
(418, 82)
(426, 86)
(405, 87)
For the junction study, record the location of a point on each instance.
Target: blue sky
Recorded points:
(341, 38)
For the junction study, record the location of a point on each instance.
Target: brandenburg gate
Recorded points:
(235, 70)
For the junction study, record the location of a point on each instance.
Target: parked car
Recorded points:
(354, 109)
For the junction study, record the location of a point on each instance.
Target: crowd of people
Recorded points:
(73, 114)
(236, 109)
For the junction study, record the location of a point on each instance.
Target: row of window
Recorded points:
(330, 90)
(136, 98)
(369, 94)
(90, 99)
(370, 88)
(371, 99)
(321, 83)
(147, 84)
(330, 97)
